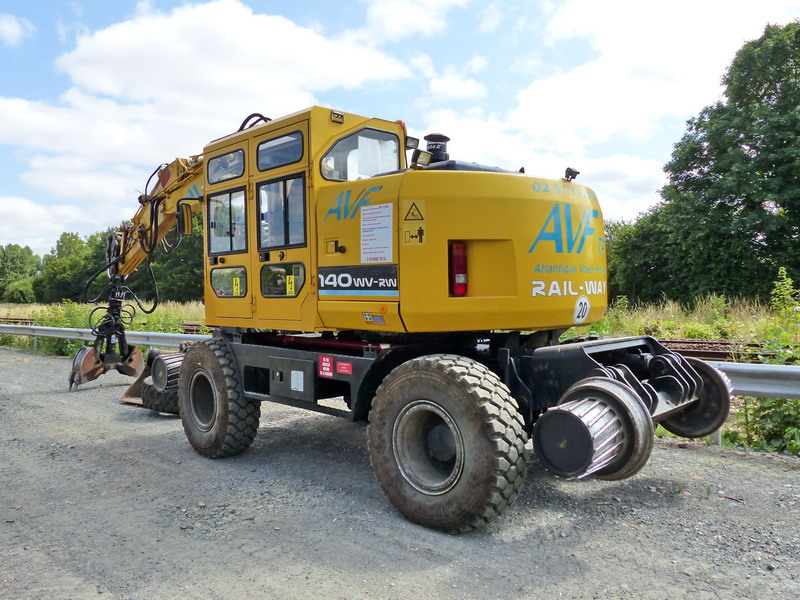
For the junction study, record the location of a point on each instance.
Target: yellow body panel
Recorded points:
(374, 255)
(514, 281)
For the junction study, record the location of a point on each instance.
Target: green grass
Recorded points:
(712, 317)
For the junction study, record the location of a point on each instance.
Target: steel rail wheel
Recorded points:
(218, 420)
(446, 442)
(710, 412)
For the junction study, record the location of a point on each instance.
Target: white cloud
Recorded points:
(527, 64)
(477, 64)
(491, 16)
(28, 224)
(453, 86)
(422, 64)
(221, 53)
(13, 30)
(652, 62)
(626, 185)
(392, 20)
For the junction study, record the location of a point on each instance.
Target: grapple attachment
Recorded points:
(110, 349)
(89, 364)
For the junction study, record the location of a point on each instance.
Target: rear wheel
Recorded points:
(446, 442)
(218, 420)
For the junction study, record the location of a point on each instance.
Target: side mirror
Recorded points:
(184, 214)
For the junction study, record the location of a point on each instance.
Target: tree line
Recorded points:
(728, 218)
(63, 272)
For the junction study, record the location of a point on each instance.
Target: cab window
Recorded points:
(229, 282)
(280, 280)
(280, 151)
(227, 222)
(227, 166)
(282, 210)
(361, 154)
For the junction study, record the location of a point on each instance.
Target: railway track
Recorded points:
(716, 350)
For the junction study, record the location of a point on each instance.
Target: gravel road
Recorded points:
(102, 499)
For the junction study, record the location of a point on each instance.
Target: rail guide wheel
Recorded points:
(710, 412)
(600, 427)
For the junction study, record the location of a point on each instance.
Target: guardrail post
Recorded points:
(715, 439)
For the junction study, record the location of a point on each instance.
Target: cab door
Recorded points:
(228, 285)
(281, 262)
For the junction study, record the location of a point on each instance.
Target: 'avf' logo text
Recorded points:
(567, 232)
(342, 209)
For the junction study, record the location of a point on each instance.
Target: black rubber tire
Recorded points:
(164, 402)
(218, 420)
(709, 413)
(447, 400)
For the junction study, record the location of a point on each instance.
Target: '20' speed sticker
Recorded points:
(581, 311)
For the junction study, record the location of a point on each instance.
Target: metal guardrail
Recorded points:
(144, 338)
(771, 381)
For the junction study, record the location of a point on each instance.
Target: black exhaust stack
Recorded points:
(437, 146)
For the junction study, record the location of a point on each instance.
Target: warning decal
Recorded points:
(413, 213)
(413, 222)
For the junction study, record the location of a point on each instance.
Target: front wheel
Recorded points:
(163, 402)
(217, 418)
(446, 442)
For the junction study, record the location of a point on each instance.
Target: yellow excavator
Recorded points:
(424, 294)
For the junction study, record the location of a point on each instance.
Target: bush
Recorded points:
(66, 314)
(772, 424)
(698, 331)
(19, 292)
(660, 329)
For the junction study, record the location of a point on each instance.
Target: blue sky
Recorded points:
(95, 94)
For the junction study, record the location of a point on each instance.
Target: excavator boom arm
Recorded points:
(178, 183)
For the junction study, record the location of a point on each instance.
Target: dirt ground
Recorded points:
(102, 499)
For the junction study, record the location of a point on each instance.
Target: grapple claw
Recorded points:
(133, 395)
(133, 365)
(86, 366)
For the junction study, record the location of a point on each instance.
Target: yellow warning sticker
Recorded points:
(414, 222)
(237, 286)
(290, 285)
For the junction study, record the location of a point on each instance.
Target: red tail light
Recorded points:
(458, 268)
